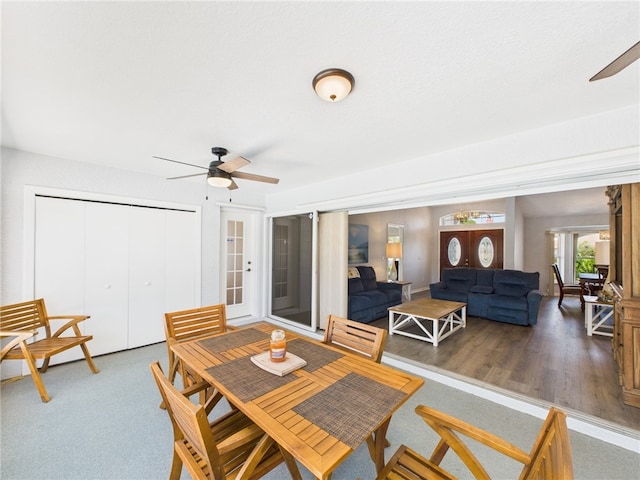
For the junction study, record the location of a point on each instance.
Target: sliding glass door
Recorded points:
(292, 268)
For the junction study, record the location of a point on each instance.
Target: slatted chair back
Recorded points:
(550, 457)
(25, 316)
(22, 321)
(192, 324)
(196, 323)
(230, 447)
(356, 337)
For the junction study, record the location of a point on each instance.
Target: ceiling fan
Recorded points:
(220, 173)
(620, 63)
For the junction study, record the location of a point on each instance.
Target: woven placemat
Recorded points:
(316, 355)
(237, 338)
(246, 380)
(350, 408)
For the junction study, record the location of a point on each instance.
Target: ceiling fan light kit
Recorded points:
(219, 178)
(333, 84)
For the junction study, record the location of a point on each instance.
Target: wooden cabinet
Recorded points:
(123, 265)
(625, 275)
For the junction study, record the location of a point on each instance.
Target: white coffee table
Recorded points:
(598, 316)
(444, 316)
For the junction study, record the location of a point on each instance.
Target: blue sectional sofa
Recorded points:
(509, 296)
(369, 299)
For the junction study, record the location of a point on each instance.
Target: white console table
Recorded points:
(598, 316)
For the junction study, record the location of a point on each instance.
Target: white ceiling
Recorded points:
(115, 83)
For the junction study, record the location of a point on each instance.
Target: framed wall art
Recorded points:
(358, 243)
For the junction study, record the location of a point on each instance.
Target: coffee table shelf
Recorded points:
(444, 317)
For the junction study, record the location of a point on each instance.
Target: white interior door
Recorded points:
(182, 283)
(238, 261)
(146, 276)
(59, 262)
(106, 276)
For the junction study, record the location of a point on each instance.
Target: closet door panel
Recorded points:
(181, 256)
(59, 263)
(146, 276)
(107, 283)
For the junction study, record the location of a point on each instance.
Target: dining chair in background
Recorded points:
(192, 324)
(359, 338)
(567, 289)
(356, 337)
(549, 459)
(230, 447)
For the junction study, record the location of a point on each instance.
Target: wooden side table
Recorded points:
(406, 289)
(596, 315)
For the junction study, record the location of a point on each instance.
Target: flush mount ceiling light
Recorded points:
(333, 84)
(218, 178)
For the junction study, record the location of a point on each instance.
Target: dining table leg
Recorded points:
(377, 444)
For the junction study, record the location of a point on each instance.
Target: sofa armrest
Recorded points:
(438, 286)
(534, 297)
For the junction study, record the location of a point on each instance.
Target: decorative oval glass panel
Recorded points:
(454, 251)
(485, 252)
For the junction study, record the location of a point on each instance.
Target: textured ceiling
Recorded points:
(115, 83)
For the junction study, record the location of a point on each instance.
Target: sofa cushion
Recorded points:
(484, 278)
(459, 279)
(364, 300)
(482, 289)
(515, 283)
(368, 278)
(510, 302)
(355, 286)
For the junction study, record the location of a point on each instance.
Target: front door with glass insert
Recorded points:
(471, 248)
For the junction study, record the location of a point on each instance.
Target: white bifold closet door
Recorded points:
(123, 265)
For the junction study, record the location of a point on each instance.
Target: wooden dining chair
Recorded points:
(356, 337)
(567, 289)
(359, 338)
(230, 447)
(187, 325)
(549, 459)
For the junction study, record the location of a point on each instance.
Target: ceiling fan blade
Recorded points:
(186, 176)
(233, 186)
(623, 61)
(254, 177)
(182, 163)
(234, 164)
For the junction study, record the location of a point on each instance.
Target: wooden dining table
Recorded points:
(319, 413)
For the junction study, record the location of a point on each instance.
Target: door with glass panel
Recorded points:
(238, 263)
(472, 248)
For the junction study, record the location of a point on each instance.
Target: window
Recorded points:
(471, 217)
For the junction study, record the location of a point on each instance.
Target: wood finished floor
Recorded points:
(555, 361)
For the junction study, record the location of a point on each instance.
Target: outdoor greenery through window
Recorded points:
(586, 253)
(575, 253)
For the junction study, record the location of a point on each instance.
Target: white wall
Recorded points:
(22, 168)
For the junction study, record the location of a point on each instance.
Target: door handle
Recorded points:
(248, 270)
